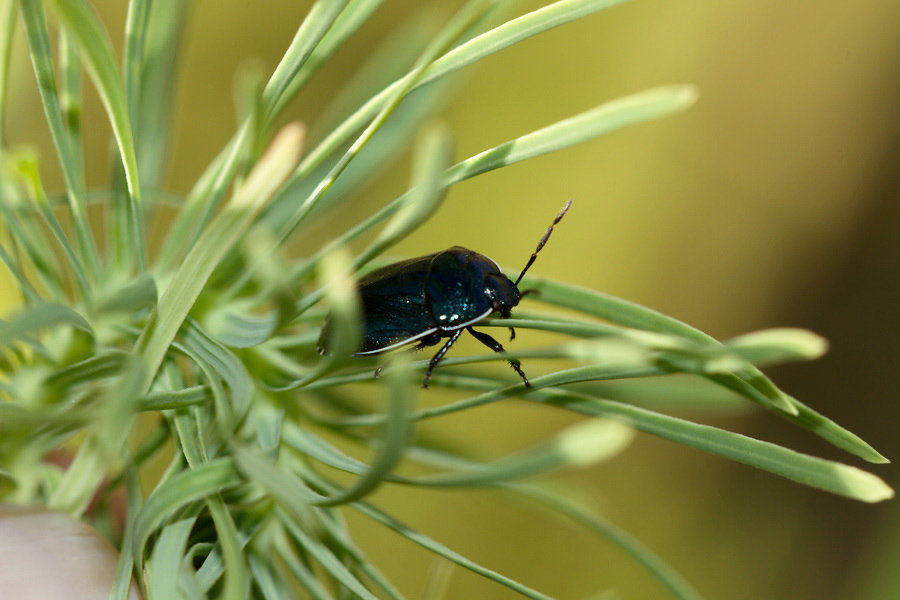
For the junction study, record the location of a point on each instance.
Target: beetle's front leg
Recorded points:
(506, 314)
(496, 347)
(439, 356)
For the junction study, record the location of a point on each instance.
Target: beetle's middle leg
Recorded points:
(439, 356)
(496, 347)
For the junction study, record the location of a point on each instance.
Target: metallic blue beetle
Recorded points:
(436, 296)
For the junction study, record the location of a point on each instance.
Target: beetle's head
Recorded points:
(502, 293)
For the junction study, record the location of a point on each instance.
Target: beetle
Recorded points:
(436, 296)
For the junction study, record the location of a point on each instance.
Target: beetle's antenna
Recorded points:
(544, 239)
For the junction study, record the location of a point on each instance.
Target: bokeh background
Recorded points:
(774, 201)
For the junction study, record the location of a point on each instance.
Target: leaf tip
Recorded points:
(593, 441)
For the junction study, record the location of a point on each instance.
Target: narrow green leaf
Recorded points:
(288, 490)
(175, 399)
(160, 68)
(320, 19)
(778, 346)
(430, 544)
(830, 476)
(81, 20)
(209, 190)
(341, 333)
(237, 574)
(580, 445)
(606, 118)
(210, 572)
(99, 366)
(270, 586)
(137, 294)
(191, 434)
(178, 491)
(112, 424)
(561, 503)
(834, 433)
(470, 13)
(391, 142)
(753, 385)
(27, 167)
(432, 156)
(330, 563)
(312, 446)
(563, 134)
(351, 18)
(70, 102)
(35, 318)
(240, 330)
(122, 586)
(665, 574)
(495, 40)
(222, 235)
(133, 58)
(395, 437)
(8, 16)
(165, 563)
(63, 138)
(757, 386)
(30, 247)
(303, 574)
(338, 533)
(229, 368)
(13, 296)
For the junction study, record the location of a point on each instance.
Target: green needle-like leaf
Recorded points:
(31, 320)
(8, 16)
(222, 235)
(63, 137)
(426, 194)
(439, 549)
(580, 445)
(396, 435)
(178, 491)
(499, 38)
(83, 23)
(166, 560)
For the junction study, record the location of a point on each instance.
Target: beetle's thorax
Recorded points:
(463, 287)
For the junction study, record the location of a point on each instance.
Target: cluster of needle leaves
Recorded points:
(202, 356)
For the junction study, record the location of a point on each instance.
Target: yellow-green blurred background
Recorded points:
(774, 201)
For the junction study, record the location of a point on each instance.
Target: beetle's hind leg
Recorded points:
(425, 342)
(496, 347)
(439, 356)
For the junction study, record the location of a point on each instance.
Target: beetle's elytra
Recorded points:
(436, 296)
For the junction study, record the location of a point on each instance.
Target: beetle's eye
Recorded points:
(496, 303)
